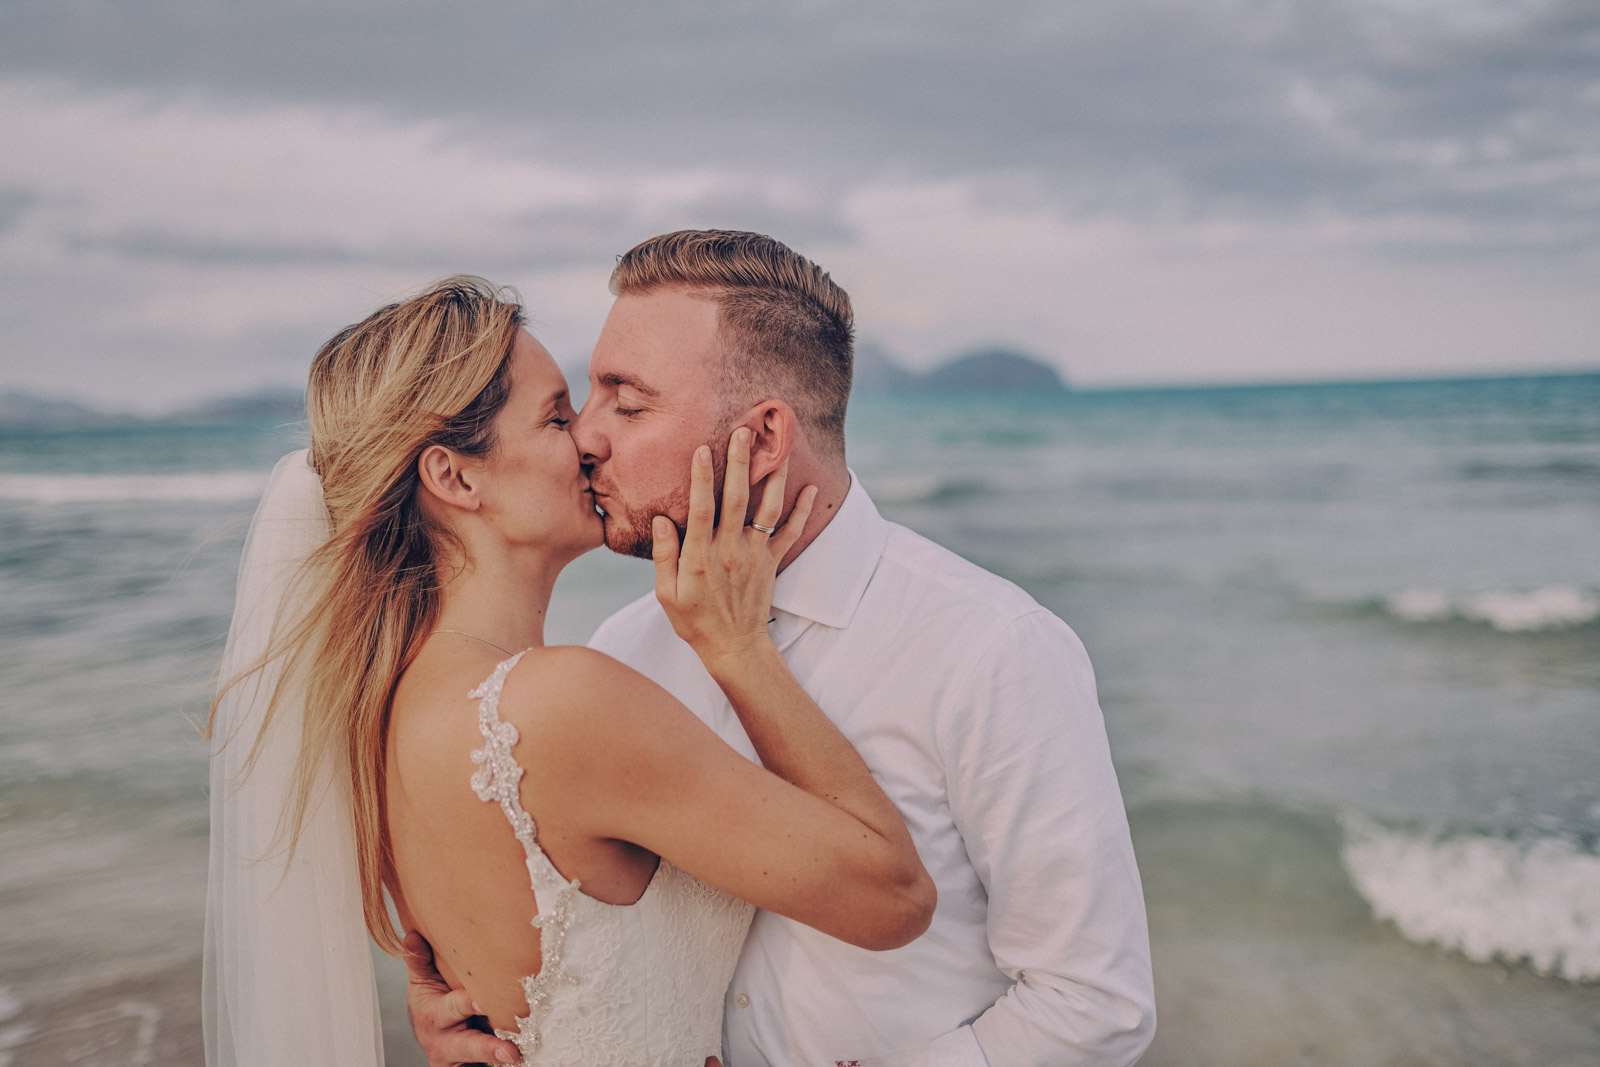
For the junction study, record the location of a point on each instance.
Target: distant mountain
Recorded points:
(277, 402)
(993, 370)
(878, 375)
(31, 411)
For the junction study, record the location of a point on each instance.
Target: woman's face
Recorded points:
(536, 492)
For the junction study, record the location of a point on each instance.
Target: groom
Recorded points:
(974, 707)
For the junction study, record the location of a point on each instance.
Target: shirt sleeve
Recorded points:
(1036, 801)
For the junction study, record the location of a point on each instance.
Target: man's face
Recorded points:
(652, 401)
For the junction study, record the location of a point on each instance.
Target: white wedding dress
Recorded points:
(620, 985)
(287, 976)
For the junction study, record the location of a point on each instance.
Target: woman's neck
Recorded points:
(501, 599)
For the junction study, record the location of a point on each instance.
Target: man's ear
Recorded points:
(775, 430)
(447, 478)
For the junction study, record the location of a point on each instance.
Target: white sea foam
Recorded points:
(1489, 898)
(118, 488)
(1553, 607)
(1421, 605)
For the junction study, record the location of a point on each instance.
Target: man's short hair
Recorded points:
(785, 329)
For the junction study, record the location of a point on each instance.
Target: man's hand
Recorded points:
(441, 1017)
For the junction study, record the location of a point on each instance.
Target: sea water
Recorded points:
(1347, 639)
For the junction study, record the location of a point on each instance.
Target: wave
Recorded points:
(1490, 898)
(1574, 467)
(124, 488)
(927, 489)
(1553, 607)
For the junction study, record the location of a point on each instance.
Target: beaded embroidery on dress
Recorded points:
(620, 985)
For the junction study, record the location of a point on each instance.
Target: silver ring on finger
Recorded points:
(768, 530)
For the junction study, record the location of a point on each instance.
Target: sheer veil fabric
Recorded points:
(288, 973)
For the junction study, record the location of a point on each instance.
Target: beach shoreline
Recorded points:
(1258, 964)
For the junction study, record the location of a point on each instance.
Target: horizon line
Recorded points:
(1449, 378)
(195, 407)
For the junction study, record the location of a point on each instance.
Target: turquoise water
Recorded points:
(1348, 646)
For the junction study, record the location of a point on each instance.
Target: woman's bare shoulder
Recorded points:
(565, 703)
(560, 665)
(592, 722)
(573, 688)
(567, 673)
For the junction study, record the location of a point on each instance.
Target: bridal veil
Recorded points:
(288, 973)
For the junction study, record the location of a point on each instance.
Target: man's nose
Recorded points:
(585, 434)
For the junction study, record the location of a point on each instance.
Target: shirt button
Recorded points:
(742, 1000)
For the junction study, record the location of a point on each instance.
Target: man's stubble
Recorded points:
(630, 534)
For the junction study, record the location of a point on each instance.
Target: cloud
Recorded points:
(209, 231)
(1112, 300)
(156, 245)
(1467, 110)
(14, 204)
(1155, 190)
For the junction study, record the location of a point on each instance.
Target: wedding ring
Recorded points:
(768, 530)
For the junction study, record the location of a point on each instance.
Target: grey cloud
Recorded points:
(15, 204)
(170, 246)
(545, 239)
(1234, 108)
(564, 236)
(167, 246)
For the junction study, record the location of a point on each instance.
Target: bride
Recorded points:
(579, 849)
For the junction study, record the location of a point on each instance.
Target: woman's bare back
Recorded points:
(629, 954)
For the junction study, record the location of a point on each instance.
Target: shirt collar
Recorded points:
(825, 582)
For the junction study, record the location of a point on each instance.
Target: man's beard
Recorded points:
(629, 534)
(628, 531)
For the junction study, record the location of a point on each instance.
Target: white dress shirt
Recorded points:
(975, 709)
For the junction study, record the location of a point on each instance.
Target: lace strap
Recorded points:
(499, 776)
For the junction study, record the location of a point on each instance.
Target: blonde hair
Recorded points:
(786, 329)
(433, 370)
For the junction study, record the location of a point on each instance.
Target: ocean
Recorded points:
(1347, 640)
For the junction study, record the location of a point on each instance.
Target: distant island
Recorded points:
(990, 370)
(31, 411)
(286, 403)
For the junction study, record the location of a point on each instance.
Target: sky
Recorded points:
(195, 193)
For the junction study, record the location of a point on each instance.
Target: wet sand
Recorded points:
(1261, 961)
(155, 1020)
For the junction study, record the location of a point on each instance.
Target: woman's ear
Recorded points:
(447, 478)
(774, 426)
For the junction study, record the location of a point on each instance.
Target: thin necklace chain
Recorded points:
(475, 637)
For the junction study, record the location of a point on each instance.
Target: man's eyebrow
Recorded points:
(616, 378)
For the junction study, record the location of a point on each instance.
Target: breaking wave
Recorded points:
(1553, 607)
(119, 488)
(1490, 898)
